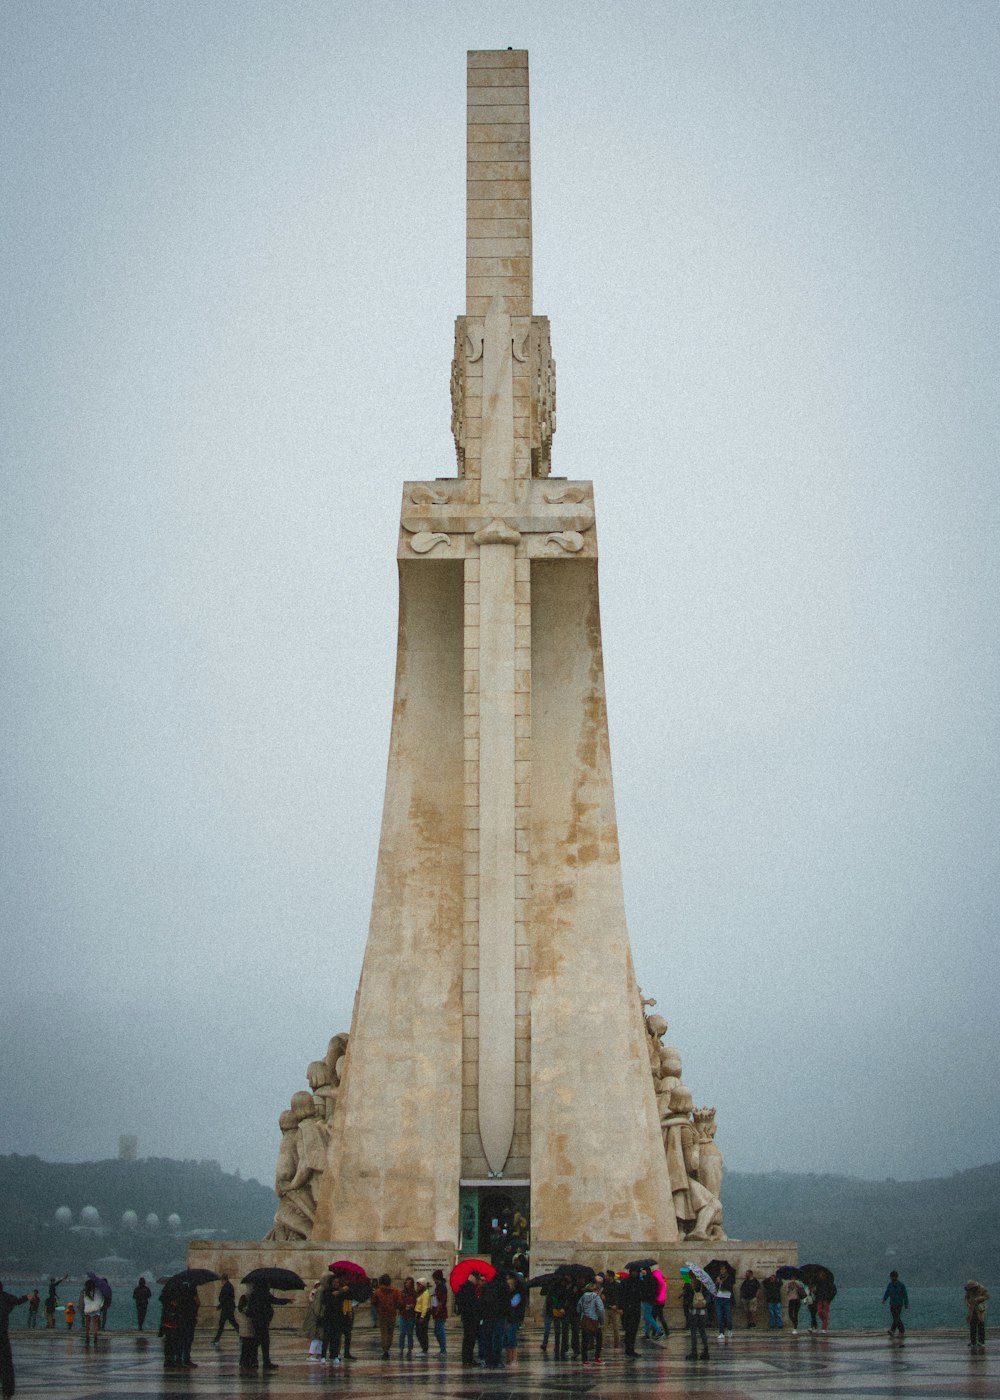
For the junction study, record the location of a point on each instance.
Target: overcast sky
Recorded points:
(766, 235)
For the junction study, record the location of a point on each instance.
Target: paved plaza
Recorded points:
(841, 1366)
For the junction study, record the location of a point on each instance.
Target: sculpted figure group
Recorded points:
(305, 1139)
(694, 1162)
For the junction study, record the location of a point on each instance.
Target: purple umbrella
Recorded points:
(101, 1284)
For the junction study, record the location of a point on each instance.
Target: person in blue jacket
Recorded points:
(895, 1295)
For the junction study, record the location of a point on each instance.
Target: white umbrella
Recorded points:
(703, 1278)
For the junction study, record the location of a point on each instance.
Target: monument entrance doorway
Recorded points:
(487, 1207)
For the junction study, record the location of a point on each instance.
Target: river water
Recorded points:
(929, 1307)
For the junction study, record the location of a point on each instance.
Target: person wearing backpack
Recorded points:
(696, 1310)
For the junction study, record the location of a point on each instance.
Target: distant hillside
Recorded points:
(932, 1231)
(207, 1200)
(935, 1231)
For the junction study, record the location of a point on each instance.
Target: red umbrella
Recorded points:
(347, 1266)
(465, 1267)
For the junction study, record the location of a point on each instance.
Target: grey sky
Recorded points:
(233, 249)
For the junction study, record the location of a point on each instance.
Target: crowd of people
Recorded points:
(580, 1307)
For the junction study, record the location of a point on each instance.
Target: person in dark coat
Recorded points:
(170, 1323)
(749, 1291)
(8, 1302)
(260, 1310)
(226, 1306)
(187, 1321)
(631, 1296)
(469, 1309)
(141, 1295)
(52, 1298)
(333, 1295)
(494, 1306)
(696, 1312)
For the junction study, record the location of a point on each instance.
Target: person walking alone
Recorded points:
(976, 1298)
(896, 1296)
(141, 1295)
(227, 1309)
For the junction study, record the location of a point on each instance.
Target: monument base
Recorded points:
(418, 1258)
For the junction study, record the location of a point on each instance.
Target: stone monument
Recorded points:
(499, 1059)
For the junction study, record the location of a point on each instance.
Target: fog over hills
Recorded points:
(940, 1230)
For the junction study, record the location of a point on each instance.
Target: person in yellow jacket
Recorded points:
(425, 1298)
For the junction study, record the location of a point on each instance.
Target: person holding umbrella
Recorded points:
(90, 1303)
(976, 1298)
(469, 1309)
(631, 1296)
(333, 1297)
(725, 1281)
(260, 1310)
(187, 1320)
(494, 1305)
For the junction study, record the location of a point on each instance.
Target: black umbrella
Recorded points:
(640, 1264)
(541, 1280)
(788, 1271)
(274, 1278)
(194, 1277)
(714, 1267)
(580, 1271)
(811, 1272)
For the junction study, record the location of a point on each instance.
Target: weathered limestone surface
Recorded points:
(395, 1129)
(498, 1033)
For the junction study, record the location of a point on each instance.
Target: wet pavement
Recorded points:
(838, 1366)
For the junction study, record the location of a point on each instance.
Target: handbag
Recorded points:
(589, 1324)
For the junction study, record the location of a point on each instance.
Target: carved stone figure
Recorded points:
(694, 1162)
(296, 1208)
(305, 1140)
(699, 1212)
(324, 1092)
(710, 1160)
(335, 1052)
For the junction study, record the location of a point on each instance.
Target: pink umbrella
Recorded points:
(347, 1266)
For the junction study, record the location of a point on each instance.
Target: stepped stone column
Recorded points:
(497, 1034)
